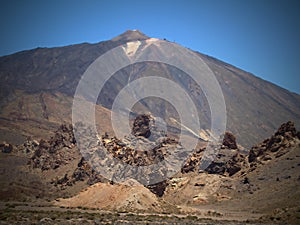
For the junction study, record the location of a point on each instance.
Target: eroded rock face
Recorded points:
(229, 140)
(276, 146)
(193, 163)
(287, 129)
(137, 148)
(83, 172)
(139, 151)
(142, 151)
(60, 150)
(141, 126)
(227, 159)
(52, 153)
(226, 162)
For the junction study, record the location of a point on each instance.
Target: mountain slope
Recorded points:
(265, 189)
(254, 107)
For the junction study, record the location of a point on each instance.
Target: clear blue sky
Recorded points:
(259, 36)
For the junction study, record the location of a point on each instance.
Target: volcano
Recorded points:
(37, 89)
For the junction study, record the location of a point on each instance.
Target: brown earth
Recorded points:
(130, 197)
(264, 189)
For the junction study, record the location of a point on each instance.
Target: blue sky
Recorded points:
(259, 36)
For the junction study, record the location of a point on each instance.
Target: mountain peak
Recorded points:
(131, 35)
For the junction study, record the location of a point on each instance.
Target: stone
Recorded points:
(141, 126)
(276, 146)
(229, 140)
(285, 128)
(6, 148)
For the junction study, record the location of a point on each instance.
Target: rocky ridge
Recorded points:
(61, 150)
(232, 174)
(136, 149)
(227, 161)
(38, 87)
(276, 146)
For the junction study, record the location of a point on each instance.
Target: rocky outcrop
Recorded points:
(29, 147)
(229, 140)
(84, 172)
(142, 151)
(141, 126)
(6, 148)
(139, 150)
(227, 160)
(61, 149)
(193, 163)
(279, 143)
(57, 151)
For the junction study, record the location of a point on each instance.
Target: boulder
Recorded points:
(229, 140)
(141, 126)
(276, 146)
(6, 148)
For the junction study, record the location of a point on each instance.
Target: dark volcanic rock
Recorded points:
(227, 159)
(6, 148)
(287, 129)
(141, 126)
(62, 148)
(275, 146)
(85, 171)
(229, 140)
(139, 150)
(51, 154)
(158, 188)
(192, 163)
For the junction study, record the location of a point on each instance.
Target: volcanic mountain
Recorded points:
(37, 89)
(46, 178)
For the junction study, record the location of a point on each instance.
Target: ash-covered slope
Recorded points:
(254, 107)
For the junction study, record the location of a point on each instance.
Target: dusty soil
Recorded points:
(264, 191)
(43, 213)
(117, 196)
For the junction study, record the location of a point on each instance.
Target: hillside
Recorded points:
(56, 167)
(254, 107)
